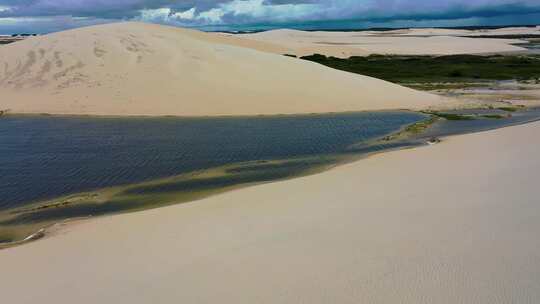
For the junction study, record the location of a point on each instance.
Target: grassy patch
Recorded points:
(494, 116)
(508, 109)
(421, 126)
(446, 85)
(451, 116)
(415, 70)
(413, 129)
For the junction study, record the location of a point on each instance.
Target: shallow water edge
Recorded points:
(19, 223)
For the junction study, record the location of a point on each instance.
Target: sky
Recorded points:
(42, 16)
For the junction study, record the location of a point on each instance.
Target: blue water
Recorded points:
(43, 157)
(447, 127)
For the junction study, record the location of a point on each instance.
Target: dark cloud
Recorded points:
(231, 12)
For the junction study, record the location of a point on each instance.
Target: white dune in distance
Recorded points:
(396, 42)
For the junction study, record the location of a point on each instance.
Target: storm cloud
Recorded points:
(234, 12)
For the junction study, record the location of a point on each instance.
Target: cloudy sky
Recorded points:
(53, 15)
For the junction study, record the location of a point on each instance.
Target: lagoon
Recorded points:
(42, 157)
(56, 168)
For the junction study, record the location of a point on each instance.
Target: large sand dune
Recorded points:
(450, 223)
(143, 69)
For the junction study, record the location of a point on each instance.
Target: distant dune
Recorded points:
(505, 31)
(402, 42)
(144, 69)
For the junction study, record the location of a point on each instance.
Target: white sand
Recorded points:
(450, 223)
(508, 31)
(402, 42)
(460, 32)
(144, 69)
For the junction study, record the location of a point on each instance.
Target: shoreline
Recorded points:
(328, 161)
(7, 113)
(408, 139)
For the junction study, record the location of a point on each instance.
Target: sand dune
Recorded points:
(450, 223)
(402, 42)
(143, 69)
(458, 32)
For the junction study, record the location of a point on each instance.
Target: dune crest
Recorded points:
(143, 69)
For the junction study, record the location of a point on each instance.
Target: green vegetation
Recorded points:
(446, 85)
(434, 116)
(451, 116)
(421, 126)
(418, 70)
(455, 117)
(508, 109)
(493, 116)
(413, 129)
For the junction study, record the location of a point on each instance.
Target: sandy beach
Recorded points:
(133, 68)
(450, 223)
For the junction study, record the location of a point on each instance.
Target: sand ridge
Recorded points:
(143, 69)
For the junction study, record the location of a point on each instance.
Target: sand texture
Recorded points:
(144, 69)
(451, 223)
(400, 42)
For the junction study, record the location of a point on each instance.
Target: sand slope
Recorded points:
(402, 42)
(144, 69)
(451, 223)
